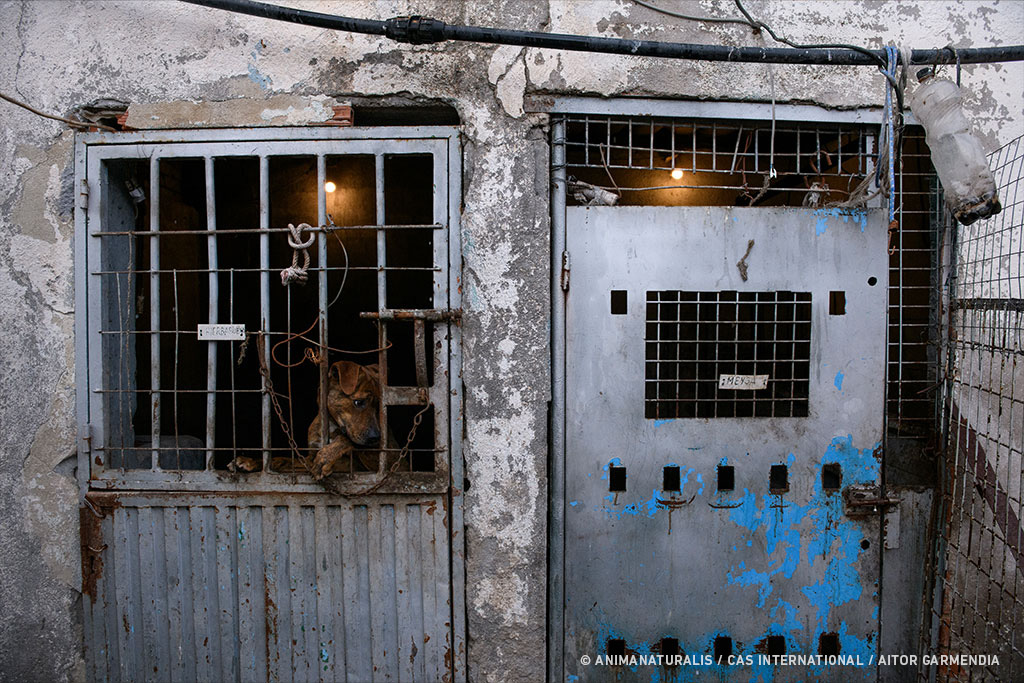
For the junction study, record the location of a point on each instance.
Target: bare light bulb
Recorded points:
(677, 174)
(330, 187)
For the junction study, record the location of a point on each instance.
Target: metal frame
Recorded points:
(977, 569)
(144, 146)
(561, 268)
(442, 142)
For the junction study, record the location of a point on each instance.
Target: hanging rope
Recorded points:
(295, 273)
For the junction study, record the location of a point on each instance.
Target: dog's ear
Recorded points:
(346, 374)
(373, 372)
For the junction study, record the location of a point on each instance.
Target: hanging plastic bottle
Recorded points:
(957, 155)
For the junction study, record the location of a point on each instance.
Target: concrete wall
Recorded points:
(183, 66)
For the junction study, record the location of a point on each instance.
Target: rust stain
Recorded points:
(412, 655)
(92, 550)
(90, 516)
(431, 507)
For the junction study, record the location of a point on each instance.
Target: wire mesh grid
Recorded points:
(729, 162)
(709, 353)
(979, 573)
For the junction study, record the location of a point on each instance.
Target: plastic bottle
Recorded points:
(957, 155)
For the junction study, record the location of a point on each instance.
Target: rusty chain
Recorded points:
(325, 482)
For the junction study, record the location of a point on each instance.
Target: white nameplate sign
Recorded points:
(222, 333)
(743, 382)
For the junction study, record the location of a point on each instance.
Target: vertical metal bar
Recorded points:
(265, 299)
(322, 274)
(174, 381)
(83, 345)
(382, 333)
(453, 169)
(211, 349)
(231, 366)
(154, 307)
(556, 520)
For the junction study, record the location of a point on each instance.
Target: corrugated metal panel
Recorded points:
(268, 588)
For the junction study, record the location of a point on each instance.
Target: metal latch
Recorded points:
(861, 501)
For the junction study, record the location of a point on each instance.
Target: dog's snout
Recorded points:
(372, 436)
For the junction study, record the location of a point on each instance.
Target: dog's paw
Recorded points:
(245, 464)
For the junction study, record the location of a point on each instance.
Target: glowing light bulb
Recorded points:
(677, 173)
(330, 187)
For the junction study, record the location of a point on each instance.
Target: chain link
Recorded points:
(325, 482)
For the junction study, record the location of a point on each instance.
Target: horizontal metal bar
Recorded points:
(428, 314)
(260, 231)
(311, 269)
(253, 450)
(1013, 305)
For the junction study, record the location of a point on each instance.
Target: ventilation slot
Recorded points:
(670, 478)
(828, 644)
(723, 649)
(776, 645)
(831, 477)
(778, 479)
(726, 477)
(837, 303)
(616, 478)
(619, 302)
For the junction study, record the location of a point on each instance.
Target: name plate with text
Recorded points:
(230, 332)
(743, 382)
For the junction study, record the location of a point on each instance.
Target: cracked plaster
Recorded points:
(181, 65)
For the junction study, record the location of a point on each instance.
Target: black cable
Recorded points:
(680, 15)
(427, 30)
(782, 39)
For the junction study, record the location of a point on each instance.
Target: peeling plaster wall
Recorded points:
(183, 66)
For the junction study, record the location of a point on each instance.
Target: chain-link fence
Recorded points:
(978, 597)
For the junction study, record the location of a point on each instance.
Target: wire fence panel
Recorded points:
(979, 598)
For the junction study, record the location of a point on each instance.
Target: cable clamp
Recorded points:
(415, 29)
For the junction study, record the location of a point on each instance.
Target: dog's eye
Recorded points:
(359, 402)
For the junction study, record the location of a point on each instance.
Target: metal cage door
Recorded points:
(222, 560)
(724, 412)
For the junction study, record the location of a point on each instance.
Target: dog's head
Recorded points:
(353, 401)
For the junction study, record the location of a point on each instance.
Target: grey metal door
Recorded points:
(724, 398)
(209, 551)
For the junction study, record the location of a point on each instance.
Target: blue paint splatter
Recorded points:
(839, 380)
(260, 79)
(859, 217)
(574, 503)
(658, 423)
(834, 540)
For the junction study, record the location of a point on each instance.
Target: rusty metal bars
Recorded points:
(117, 272)
(265, 304)
(978, 605)
(214, 302)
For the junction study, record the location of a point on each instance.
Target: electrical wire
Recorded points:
(70, 122)
(425, 30)
(680, 15)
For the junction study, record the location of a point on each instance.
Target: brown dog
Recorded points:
(353, 409)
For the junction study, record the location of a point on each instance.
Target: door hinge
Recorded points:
(564, 277)
(83, 194)
(85, 436)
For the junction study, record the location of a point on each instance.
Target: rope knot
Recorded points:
(294, 272)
